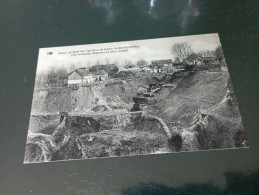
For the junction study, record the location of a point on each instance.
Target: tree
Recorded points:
(88, 64)
(181, 50)
(98, 62)
(192, 57)
(56, 75)
(142, 62)
(107, 60)
(177, 60)
(128, 64)
(61, 72)
(51, 75)
(115, 62)
(219, 53)
(71, 67)
(206, 53)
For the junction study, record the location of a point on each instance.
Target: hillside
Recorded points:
(114, 95)
(202, 109)
(77, 137)
(195, 91)
(185, 111)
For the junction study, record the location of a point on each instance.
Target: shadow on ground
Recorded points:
(236, 183)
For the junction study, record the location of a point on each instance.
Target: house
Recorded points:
(164, 63)
(80, 76)
(209, 60)
(179, 66)
(156, 68)
(199, 60)
(100, 75)
(135, 70)
(146, 70)
(195, 59)
(124, 73)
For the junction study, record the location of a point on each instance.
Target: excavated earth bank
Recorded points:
(186, 111)
(77, 137)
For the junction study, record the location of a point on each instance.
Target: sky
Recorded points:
(148, 49)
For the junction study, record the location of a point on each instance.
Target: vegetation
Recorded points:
(219, 53)
(181, 50)
(142, 62)
(184, 53)
(111, 69)
(124, 74)
(55, 76)
(128, 64)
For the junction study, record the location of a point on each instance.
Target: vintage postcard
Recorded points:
(129, 98)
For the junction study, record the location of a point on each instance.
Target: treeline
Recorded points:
(184, 53)
(111, 69)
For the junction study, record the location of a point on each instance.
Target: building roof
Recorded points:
(167, 61)
(179, 64)
(101, 72)
(134, 69)
(209, 58)
(205, 58)
(159, 66)
(146, 68)
(81, 72)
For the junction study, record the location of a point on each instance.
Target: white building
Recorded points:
(135, 70)
(80, 76)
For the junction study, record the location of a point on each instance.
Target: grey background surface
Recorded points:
(28, 25)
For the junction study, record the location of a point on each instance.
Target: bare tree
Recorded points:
(191, 58)
(98, 62)
(177, 60)
(181, 50)
(88, 64)
(51, 75)
(218, 53)
(108, 61)
(71, 67)
(206, 53)
(56, 75)
(128, 64)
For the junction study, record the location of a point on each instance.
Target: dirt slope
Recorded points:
(100, 97)
(202, 109)
(78, 137)
(198, 90)
(197, 109)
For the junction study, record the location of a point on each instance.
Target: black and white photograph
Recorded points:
(140, 97)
